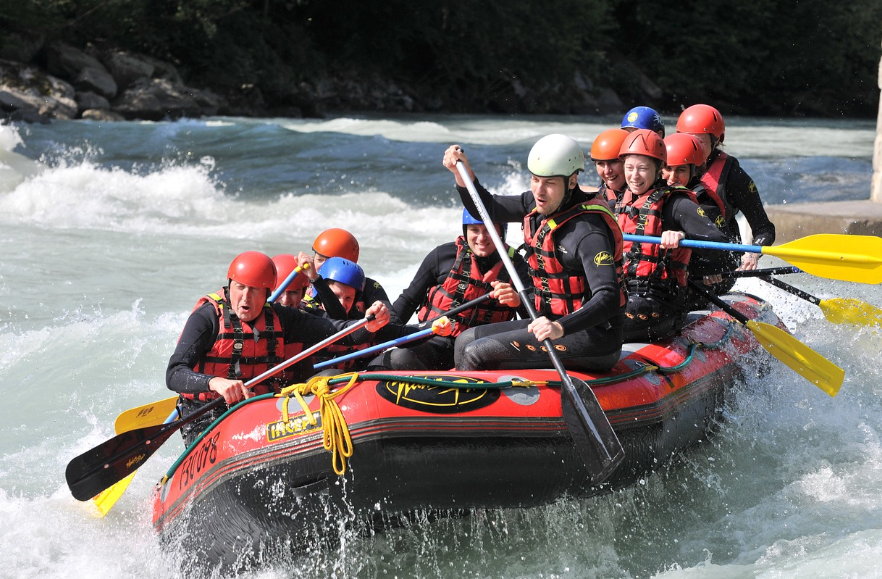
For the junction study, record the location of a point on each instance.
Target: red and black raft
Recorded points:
(260, 478)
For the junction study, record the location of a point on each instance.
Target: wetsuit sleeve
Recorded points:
(682, 214)
(588, 238)
(374, 292)
(301, 326)
(196, 340)
(329, 300)
(429, 275)
(742, 193)
(502, 208)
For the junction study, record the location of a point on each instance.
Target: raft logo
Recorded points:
(295, 425)
(603, 258)
(441, 399)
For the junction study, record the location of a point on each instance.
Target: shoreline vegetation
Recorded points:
(157, 59)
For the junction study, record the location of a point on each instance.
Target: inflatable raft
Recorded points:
(262, 477)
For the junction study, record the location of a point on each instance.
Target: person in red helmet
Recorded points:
(293, 293)
(726, 188)
(686, 156)
(656, 274)
(605, 154)
(338, 242)
(233, 335)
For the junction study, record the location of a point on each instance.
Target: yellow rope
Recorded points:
(336, 436)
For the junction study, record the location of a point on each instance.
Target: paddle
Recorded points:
(109, 462)
(146, 415)
(592, 433)
(855, 258)
(108, 497)
(812, 366)
(403, 339)
(288, 280)
(836, 310)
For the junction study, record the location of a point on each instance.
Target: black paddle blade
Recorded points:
(110, 462)
(592, 433)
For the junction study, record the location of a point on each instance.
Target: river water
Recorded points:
(110, 232)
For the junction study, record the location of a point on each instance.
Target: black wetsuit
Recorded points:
(656, 310)
(739, 194)
(592, 334)
(436, 353)
(198, 338)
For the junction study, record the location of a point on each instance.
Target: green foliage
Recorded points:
(748, 56)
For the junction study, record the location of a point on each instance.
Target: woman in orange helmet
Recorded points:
(726, 188)
(656, 274)
(605, 154)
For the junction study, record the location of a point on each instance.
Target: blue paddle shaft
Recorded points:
(372, 349)
(698, 244)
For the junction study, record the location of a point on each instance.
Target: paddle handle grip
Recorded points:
(697, 244)
(377, 348)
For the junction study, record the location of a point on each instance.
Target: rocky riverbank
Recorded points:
(40, 82)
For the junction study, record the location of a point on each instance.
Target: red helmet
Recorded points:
(702, 119)
(607, 145)
(254, 269)
(644, 142)
(336, 243)
(684, 149)
(285, 264)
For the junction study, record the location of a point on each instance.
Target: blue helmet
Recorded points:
(467, 219)
(343, 271)
(643, 118)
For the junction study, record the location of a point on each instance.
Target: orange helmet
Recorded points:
(683, 149)
(254, 269)
(336, 243)
(285, 264)
(644, 142)
(702, 119)
(607, 145)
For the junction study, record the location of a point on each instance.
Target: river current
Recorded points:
(110, 232)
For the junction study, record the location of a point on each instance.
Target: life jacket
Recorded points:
(241, 350)
(711, 192)
(646, 264)
(559, 292)
(464, 283)
(611, 195)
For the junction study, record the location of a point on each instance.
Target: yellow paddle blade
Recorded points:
(108, 497)
(851, 311)
(812, 366)
(855, 258)
(147, 415)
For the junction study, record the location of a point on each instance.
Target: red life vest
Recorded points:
(464, 283)
(611, 195)
(647, 262)
(713, 187)
(236, 354)
(559, 292)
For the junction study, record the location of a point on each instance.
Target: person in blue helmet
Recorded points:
(643, 118)
(450, 275)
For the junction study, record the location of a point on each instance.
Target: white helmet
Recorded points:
(556, 156)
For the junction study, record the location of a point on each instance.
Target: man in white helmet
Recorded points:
(574, 249)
